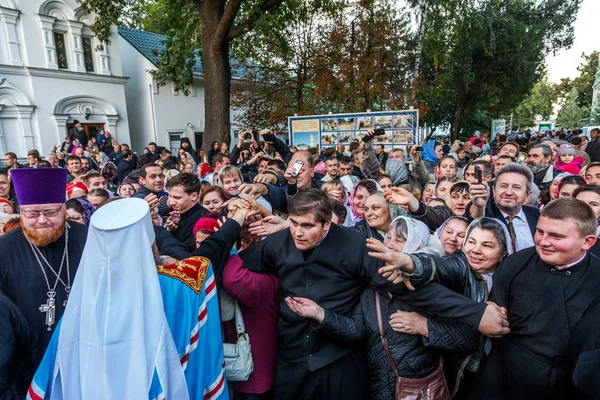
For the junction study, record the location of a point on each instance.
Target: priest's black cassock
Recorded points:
(185, 229)
(544, 306)
(22, 280)
(334, 274)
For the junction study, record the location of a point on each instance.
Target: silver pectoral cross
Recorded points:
(49, 309)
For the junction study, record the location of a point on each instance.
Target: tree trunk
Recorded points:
(217, 88)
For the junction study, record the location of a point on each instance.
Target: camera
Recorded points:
(419, 148)
(247, 136)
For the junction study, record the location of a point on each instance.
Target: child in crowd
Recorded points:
(567, 162)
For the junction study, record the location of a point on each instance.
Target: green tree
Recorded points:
(571, 115)
(343, 62)
(539, 101)
(487, 55)
(205, 28)
(584, 82)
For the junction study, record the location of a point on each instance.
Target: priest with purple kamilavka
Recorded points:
(38, 260)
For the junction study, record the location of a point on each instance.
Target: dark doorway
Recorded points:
(91, 130)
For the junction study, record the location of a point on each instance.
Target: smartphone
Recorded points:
(269, 137)
(478, 174)
(418, 148)
(379, 132)
(297, 167)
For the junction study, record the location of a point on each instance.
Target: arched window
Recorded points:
(68, 42)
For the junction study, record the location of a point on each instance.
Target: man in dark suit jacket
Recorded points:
(512, 187)
(593, 147)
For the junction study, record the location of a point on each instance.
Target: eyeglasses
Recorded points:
(36, 213)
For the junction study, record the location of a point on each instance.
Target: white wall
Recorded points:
(137, 94)
(26, 65)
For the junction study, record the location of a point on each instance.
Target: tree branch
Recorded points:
(231, 10)
(247, 26)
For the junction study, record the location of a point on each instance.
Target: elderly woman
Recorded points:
(416, 355)
(468, 271)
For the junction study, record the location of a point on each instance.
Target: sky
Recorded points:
(565, 63)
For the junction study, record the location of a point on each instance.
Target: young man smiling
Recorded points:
(546, 290)
(183, 192)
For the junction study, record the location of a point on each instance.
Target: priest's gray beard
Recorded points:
(43, 239)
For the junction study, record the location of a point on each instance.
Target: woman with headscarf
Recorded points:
(416, 355)
(468, 271)
(79, 211)
(431, 155)
(363, 189)
(452, 234)
(408, 235)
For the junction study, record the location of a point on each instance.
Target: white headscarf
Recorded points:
(114, 332)
(418, 238)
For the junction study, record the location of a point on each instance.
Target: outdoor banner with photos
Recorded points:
(328, 130)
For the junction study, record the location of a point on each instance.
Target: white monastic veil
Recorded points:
(114, 332)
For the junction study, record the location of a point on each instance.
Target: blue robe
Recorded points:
(192, 311)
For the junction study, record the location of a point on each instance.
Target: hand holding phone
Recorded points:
(478, 174)
(297, 167)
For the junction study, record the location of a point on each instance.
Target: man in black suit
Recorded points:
(593, 147)
(512, 187)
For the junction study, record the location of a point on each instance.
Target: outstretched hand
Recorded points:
(398, 195)
(392, 270)
(268, 226)
(306, 308)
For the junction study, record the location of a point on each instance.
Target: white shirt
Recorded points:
(524, 238)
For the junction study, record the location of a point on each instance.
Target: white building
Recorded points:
(160, 114)
(51, 74)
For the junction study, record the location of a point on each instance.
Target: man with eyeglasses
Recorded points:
(38, 260)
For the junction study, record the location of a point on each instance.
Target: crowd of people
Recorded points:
(259, 271)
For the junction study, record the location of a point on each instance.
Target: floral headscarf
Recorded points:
(88, 208)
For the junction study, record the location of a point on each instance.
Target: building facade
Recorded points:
(51, 74)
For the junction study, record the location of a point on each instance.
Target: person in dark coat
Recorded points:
(125, 165)
(593, 147)
(18, 351)
(546, 290)
(184, 190)
(78, 133)
(187, 146)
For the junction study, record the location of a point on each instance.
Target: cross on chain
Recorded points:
(49, 308)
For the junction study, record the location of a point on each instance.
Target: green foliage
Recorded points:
(539, 101)
(331, 62)
(487, 54)
(571, 115)
(584, 82)
(595, 114)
